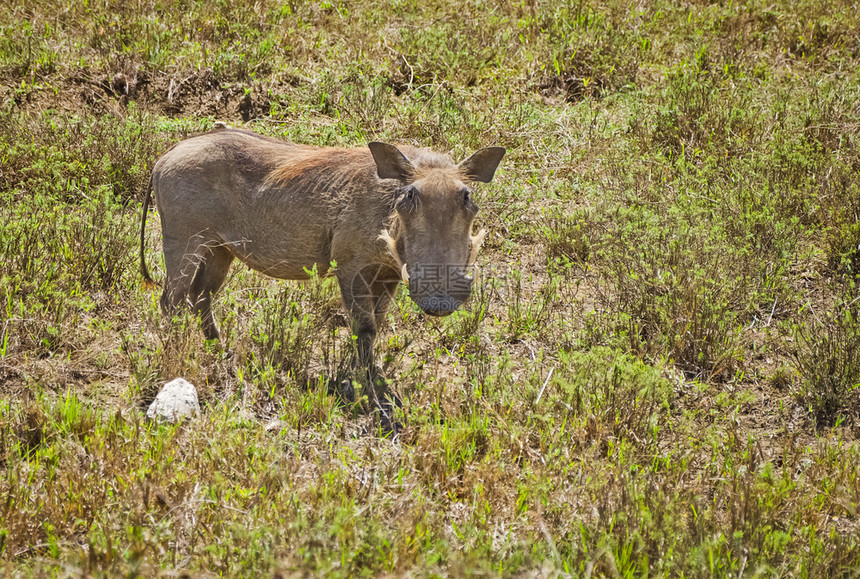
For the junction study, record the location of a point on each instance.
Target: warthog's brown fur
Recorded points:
(380, 213)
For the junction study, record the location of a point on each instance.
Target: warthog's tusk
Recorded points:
(391, 245)
(476, 240)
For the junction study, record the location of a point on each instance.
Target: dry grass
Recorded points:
(656, 375)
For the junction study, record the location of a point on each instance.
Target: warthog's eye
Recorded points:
(408, 198)
(467, 201)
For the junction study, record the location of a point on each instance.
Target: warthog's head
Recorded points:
(433, 240)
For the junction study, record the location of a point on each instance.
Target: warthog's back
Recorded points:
(279, 207)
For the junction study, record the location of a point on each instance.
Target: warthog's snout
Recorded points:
(439, 295)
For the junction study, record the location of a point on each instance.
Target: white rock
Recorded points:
(276, 425)
(177, 400)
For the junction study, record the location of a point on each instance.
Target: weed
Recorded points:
(827, 360)
(607, 389)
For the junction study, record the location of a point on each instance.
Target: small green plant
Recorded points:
(527, 314)
(289, 321)
(844, 246)
(672, 292)
(568, 235)
(607, 389)
(827, 359)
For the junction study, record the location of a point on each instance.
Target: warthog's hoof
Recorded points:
(341, 388)
(346, 391)
(389, 427)
(386, 410)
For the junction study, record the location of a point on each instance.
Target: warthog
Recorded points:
(380, 213)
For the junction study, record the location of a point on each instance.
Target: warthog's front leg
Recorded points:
(367, 295)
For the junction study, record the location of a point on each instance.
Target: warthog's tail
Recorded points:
(147, 279)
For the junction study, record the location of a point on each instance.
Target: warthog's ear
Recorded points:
(390, 162)
(483, 164)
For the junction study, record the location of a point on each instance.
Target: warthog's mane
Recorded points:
(342, 164)
(426, 161)
(338, 164)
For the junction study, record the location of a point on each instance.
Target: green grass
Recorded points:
(657, 374)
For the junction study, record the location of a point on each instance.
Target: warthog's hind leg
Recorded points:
(181, 266)
(193, 277)
(210, 276)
